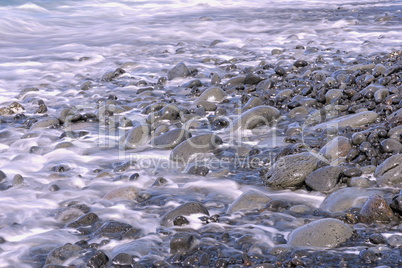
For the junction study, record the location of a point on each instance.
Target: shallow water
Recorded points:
(56, 46)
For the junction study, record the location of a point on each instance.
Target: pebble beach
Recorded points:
(200, 134)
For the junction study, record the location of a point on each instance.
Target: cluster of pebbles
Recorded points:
(324, 124)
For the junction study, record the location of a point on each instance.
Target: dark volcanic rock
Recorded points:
(375, 209)
(183, 210)
(292, 170)
(181, 243)
(59, 255)
(325, 233)
(113, 229)
(98, 260)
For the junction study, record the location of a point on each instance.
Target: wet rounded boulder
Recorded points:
(136, 136)
(183, 210)
(249, 201)
(255, 117)
(200, 144)
(376, 209)
(170, 139)
(390, 171)
(292, 170)
(324, 233)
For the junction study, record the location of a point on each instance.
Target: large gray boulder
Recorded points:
(291, 170)
(324, 233)
(257, 116)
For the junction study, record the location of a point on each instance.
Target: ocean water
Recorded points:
(56, 46)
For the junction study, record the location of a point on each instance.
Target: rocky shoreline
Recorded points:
(324, 126)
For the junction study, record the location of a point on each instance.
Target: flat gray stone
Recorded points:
(346, 198)
(353, 120)
(324, 233)
(46, 122)
(122, 193)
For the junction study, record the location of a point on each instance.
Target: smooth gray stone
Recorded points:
(200, 144)
(346, 198)
(180, 70)
(353, 120)
(136, 136)
(324, 179)
(170, 139)
(183, 210)
(122, 193)
(397, 113)
(292, 170)
(391, 146)
(252, 102)
(212, 94)
(395, 132)
(338, 147)
(46, 122)
(248, 201)
(324, 233)
(390, 171)
(235, 81)
(257, 116)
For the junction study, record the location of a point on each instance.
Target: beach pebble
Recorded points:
(46, 123)
(257, 116)
(390, 171)
(59, 255)
(136, 136)
(333, 94)
(338, 147)
(179, 70)
(181, 243)
(212, 94)
(113, 229)
(196, 145)
(375, 209)
(395, 133)
(292, 170)
(249, 201)
(395, 241)
(198, 170)
(359, 182)
(346, 198)
(99, 259)
(170, 139)
(353, 120)
(183, 210)
(324, 233)
(391, 146)
(251, 103)
(122, 193)
(324, 179)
